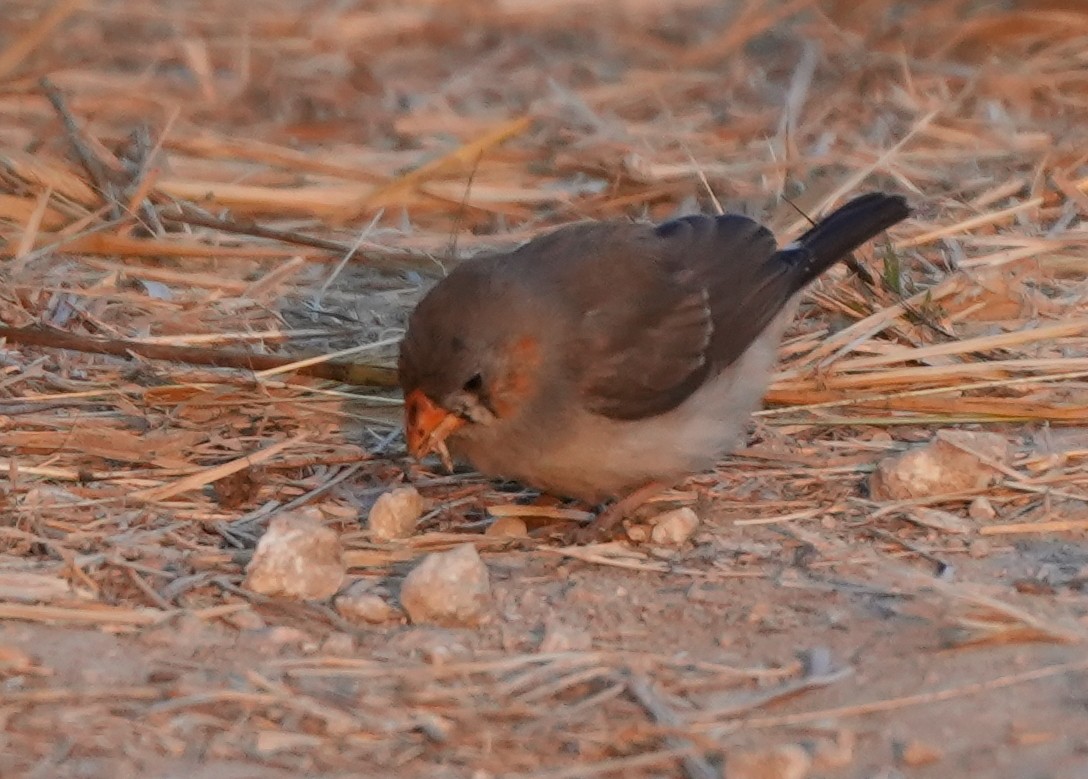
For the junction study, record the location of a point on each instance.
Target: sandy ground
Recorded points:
(805, 630)
(913, 700)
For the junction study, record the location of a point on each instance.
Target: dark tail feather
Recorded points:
(842, 231)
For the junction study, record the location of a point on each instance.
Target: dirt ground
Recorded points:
(195, 173)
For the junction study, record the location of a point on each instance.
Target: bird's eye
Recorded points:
(475, 384)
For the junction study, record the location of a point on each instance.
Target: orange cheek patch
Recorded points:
(523, 368)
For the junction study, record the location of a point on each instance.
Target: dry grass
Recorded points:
(283, 178)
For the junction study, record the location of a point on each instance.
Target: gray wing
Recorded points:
(671, 305)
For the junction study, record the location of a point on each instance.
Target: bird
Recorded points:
(609, 360)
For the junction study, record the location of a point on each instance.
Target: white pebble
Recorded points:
(358, 603)
(247, 619)
(395, 514)
(297, 557)
(448, 588)
(339, 644)
(674, 527)
(437, 653)
(559, 637)
(510, 527)
(954, 461)
(982, 509)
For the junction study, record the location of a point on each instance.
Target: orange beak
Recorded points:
(426, 427)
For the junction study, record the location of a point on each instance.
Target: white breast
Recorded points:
(594, 458)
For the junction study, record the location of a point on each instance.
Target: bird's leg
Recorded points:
(607, 520)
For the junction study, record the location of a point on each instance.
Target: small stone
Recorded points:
(674, 527)
(395, 514)
(282, 635)
(444, 654)
(434, 645)
(513, 527)
(247, 619)
(559, 637)
(986, 446)
(448, 588)
(954, 461)
(979, 547)
(786, 761)
(297, 557)
(982, 509)
(834, 753)
(358, 603)
(440, 730)
(919, 753)
(639, 533)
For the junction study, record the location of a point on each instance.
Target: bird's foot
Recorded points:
(608, 521)
(600, 530)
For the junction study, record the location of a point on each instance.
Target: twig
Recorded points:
(919, 699)
(356, 374)
(1053, 526)
(695, 765)
(88, 158)
(268, 509)
(387, 260)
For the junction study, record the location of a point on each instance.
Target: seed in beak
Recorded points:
(426, 427)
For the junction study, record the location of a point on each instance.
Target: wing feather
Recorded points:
(693, 295)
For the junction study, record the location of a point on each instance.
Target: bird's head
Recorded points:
(466, 361)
